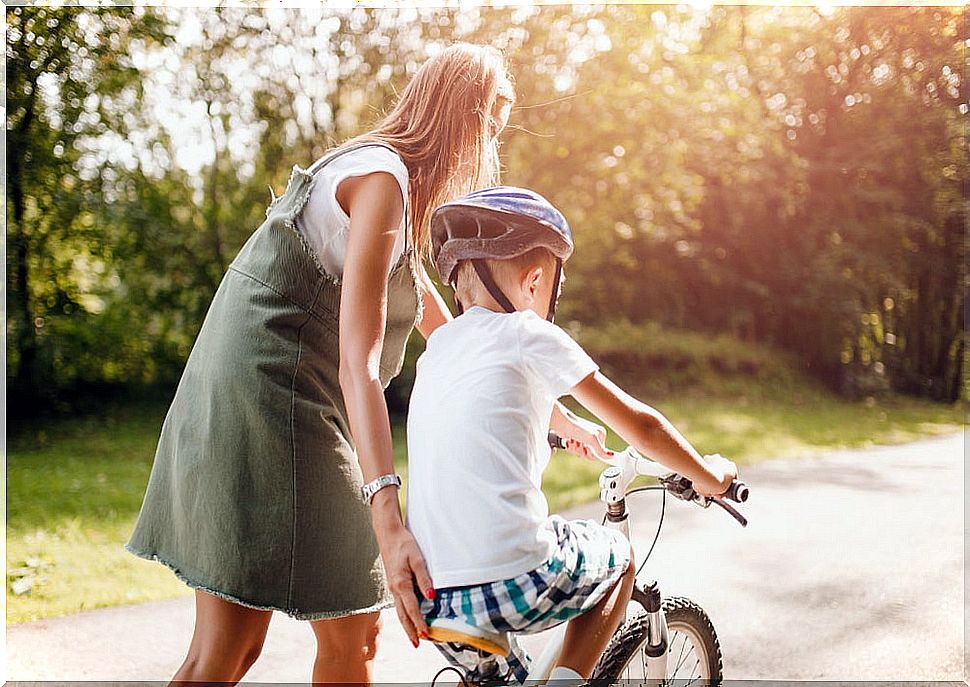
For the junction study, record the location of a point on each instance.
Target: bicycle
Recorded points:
(655, 644)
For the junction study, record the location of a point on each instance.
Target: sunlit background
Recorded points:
(786, 175)
(768, 205)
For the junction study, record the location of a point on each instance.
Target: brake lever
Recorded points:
(682, 488)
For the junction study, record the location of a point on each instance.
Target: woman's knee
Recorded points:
(228, 638)
(220, 662)
(342, 637)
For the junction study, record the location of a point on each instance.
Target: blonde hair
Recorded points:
(440, 127)
(505, 272)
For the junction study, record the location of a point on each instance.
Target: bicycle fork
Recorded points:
(613, 493)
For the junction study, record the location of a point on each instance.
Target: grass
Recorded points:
(745, 401)
(73, 494)
(749, 429)
(74, 487)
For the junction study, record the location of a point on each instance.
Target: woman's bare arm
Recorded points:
(375, 207)
(436, 313)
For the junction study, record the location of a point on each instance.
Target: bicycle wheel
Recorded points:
(693, 655)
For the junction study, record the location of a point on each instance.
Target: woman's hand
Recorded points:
(583, 437)
(404, 566)
(588, 440)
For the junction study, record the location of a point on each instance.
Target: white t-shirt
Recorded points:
(477, 423)
(324, 223)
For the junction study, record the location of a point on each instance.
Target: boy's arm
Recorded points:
(652, 434)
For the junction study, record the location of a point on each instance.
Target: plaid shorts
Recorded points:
(588, 562)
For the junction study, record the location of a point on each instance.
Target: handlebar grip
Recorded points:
(743, 521)
(555, 441)
(737, 492)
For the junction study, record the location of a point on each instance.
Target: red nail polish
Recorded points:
(430, 593)
(415, 643)
(424, 634)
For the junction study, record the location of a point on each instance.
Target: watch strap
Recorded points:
(374, 486)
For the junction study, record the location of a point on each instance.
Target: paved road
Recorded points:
(851, 569)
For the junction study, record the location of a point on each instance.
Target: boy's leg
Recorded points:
(588, 574)
(588, 582)
(588, 635)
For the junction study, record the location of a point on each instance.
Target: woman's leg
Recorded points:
(226, 641)
(587, 635)
(346, 648)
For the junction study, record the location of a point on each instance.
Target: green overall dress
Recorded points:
(254, 495)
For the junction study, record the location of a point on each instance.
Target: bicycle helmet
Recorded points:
(498, 223)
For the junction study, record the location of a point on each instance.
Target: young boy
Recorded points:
(480, 410)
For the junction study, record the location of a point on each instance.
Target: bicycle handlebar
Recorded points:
(678, 485)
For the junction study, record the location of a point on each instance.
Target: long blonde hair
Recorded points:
(440, 126)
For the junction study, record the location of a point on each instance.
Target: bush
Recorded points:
(651, 359)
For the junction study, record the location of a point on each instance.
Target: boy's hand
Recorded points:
(724, 468)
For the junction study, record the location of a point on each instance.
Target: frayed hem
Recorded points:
(413, 261)
(289, 220)
(294, 613)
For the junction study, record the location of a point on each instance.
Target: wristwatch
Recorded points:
(374, 486)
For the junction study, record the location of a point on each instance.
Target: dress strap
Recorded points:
(407, 225)
(315, 167)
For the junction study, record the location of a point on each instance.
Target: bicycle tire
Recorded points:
(686, 621)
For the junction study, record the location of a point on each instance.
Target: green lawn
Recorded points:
(747, 430)
(74, 488)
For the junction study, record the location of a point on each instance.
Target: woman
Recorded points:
(255, 494)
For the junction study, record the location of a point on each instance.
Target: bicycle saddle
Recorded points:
(452, 630)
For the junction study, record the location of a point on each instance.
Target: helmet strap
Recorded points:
(453, 280)
(485, 274)
(555, 291)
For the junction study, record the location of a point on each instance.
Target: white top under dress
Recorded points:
(477, 423)
(324, 224)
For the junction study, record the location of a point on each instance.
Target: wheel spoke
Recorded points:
(681, 661)
(696, 663)
(687, 626)
(681, 657)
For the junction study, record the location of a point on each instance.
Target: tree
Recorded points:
(68, 80)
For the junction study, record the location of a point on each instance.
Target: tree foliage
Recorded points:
(783, 174)
(69, 81)
(786, 175)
